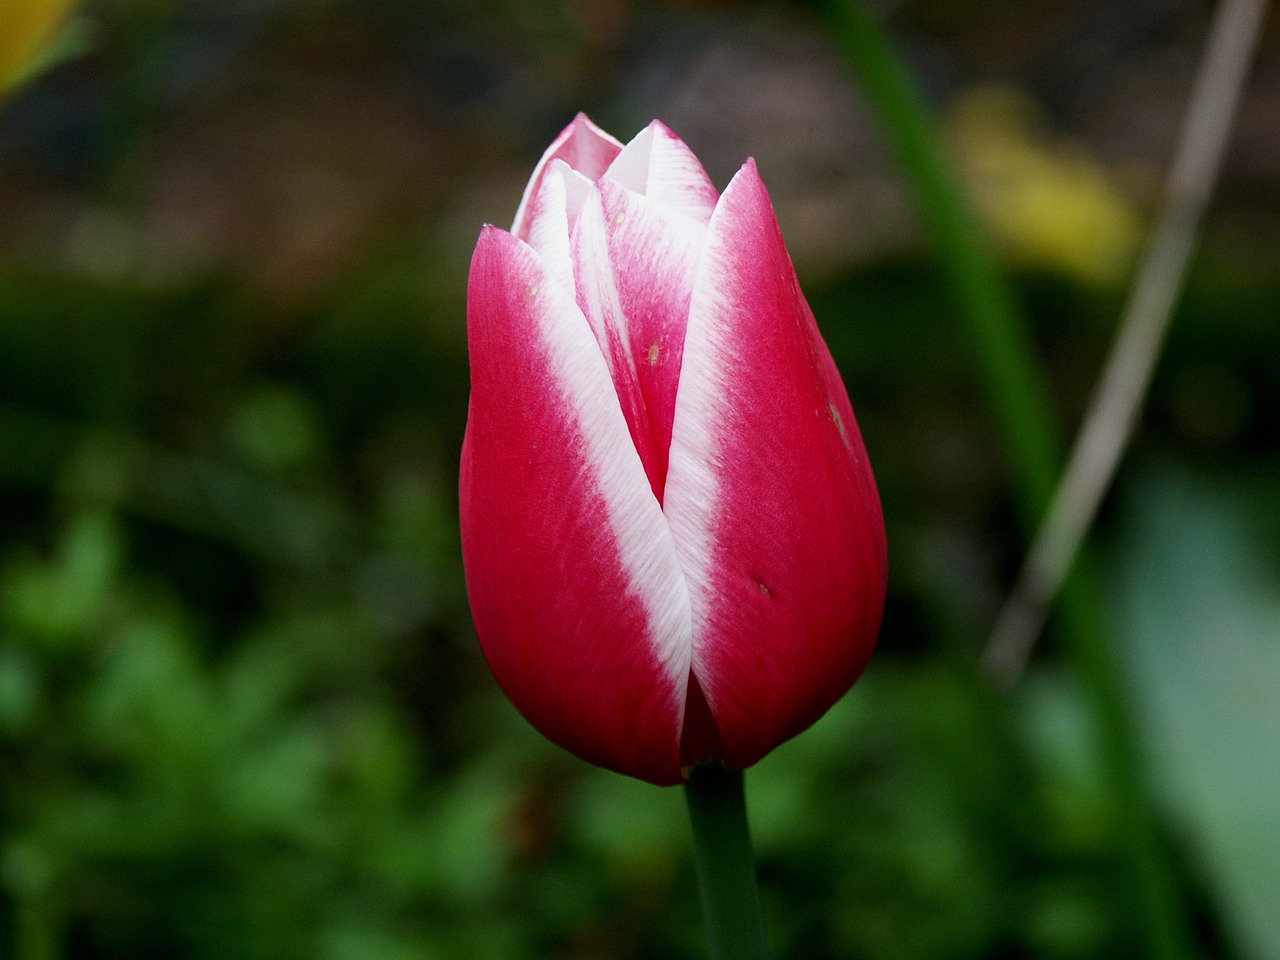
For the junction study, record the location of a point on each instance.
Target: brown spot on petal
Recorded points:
(839, 422)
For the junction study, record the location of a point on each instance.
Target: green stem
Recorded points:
(1016, 391)
(726, 868)
(36, 930)
(1032, 441)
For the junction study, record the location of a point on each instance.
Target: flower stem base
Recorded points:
(725, 866)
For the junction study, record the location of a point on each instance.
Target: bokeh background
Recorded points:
(242, 710)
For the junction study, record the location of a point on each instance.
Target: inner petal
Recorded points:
(634, 263)
(584, 148)
(659, 165)
(699, 735)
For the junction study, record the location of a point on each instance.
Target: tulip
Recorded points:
(673, 544)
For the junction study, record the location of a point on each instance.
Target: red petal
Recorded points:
(634, 262)
(584, 147)
(578, 599)
(769, 492)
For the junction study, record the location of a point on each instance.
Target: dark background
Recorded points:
(242, 710)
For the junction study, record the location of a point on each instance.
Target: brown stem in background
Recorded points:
(1112, 417)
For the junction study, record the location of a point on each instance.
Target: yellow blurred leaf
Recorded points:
(1048, 203)
(27, 29)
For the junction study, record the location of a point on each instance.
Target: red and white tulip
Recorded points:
(673, 543)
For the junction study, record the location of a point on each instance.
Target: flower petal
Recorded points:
(575, 587)
(562, 192)
(634, 261)
(658, 164)
(581, 145)
(769, 493)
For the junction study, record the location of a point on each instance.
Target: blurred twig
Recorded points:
(1112, 417)
(1030, 437)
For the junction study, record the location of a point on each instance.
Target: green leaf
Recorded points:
(1198, 617)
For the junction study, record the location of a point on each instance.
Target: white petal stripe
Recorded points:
(646, 546)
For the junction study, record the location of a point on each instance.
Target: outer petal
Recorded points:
(769, 492)
(572, 574)
(634, 261)
(584, 147)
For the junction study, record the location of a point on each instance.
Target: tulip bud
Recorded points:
(672, 538)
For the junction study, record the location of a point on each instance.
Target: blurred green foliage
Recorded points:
(242, 712)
